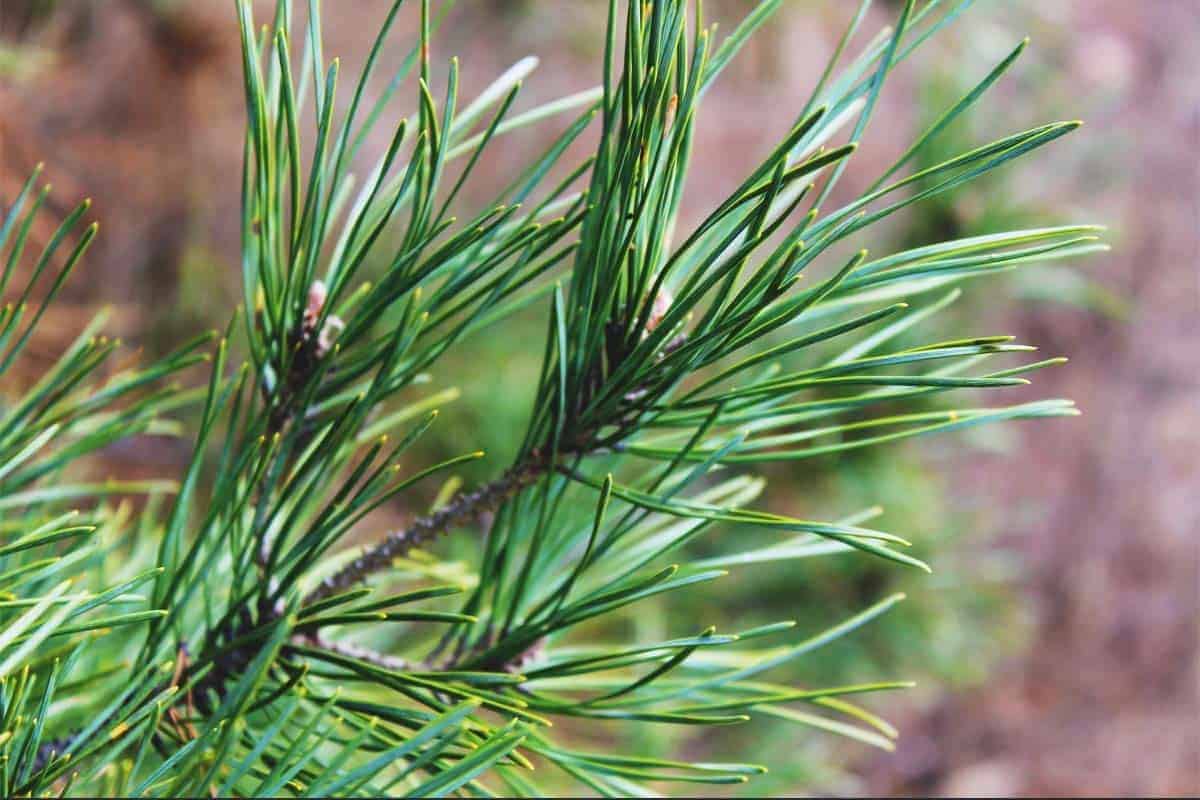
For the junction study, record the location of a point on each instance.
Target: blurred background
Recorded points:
(1055, 647)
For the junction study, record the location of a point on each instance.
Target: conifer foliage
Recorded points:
(227, 637)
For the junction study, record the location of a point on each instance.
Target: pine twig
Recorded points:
(353, 651)
(463, 508)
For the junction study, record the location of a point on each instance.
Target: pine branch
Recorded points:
(660, 372)
(462, 509)
(352, 651)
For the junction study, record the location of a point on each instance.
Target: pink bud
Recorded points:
(662, 304)
(316, 297)
(316, 302)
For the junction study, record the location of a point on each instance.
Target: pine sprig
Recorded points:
(270, 660)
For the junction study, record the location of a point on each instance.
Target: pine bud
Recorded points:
(316, 302)
(662, 304)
